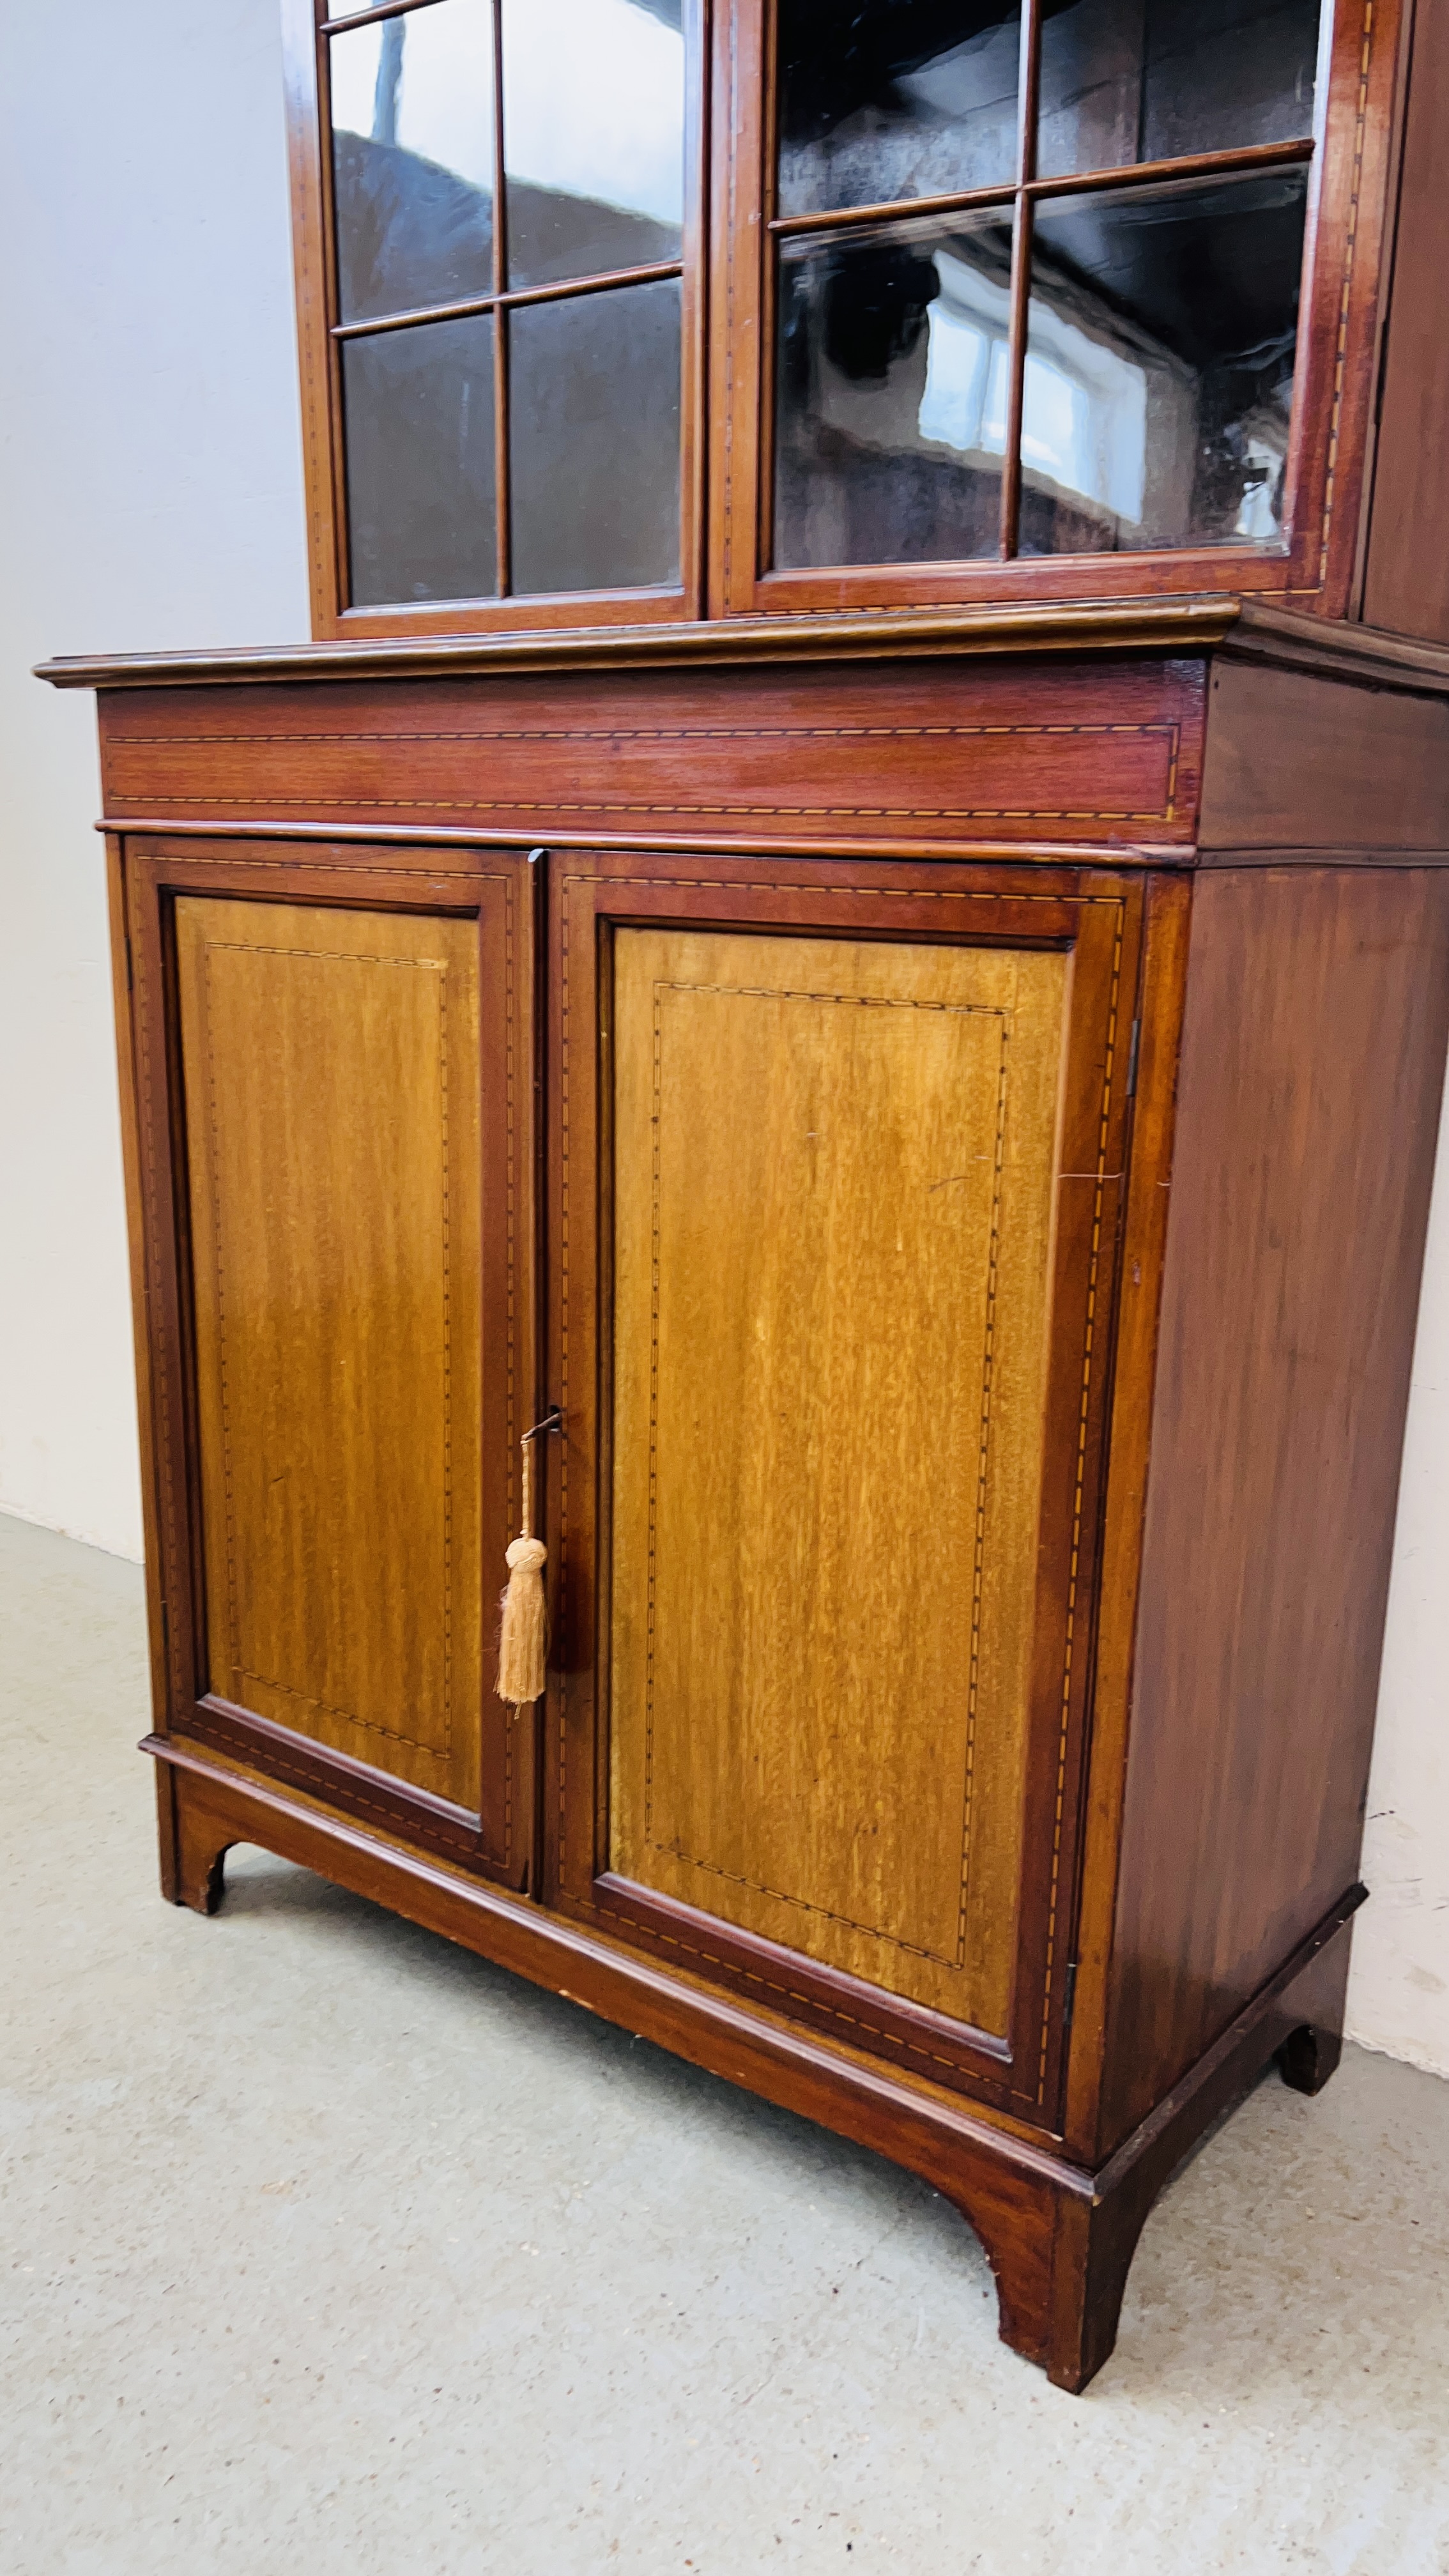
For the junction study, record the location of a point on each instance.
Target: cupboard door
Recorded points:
(331, 1067)
(832, 1214)
(845, 1321)
(355, 1278)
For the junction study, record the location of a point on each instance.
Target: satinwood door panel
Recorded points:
(832, 1216)
(351, 1104)
(331, 1069)
(851, 1157)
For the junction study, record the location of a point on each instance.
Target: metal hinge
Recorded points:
(130, 974)
(1132, 1046)
(1069, 1996)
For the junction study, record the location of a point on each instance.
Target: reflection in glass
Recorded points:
(891, 99)
(1150, 80)
(593, 127)
(891, 393)
(594, 422)
(418, 411)
(412, 159)
(1159, 375)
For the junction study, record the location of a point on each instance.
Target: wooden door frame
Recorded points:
(498, 890)
(1097, 915)
(324, 441)
(1347, 226)
(727, 371)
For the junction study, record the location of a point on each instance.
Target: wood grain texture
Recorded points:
(1285, 639)
(1296, 762)
(877, 754)
(834, 1173)
(331, 1068)
(1312, 1069)
(1406, 585)
(144, 1321)
(1159, 1006)
(489, 901)
(1182, 627)
(1173, 624)
(1093, 916)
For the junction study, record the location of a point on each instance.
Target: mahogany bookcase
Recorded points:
(925, 1069)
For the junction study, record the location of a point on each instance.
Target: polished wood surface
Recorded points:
(145, 1336)
(1312, 1068)
(886, 758)
(1224, 624)
(599, 901)
(1146, 1216)
(1013, 626)
(934, 1070)
(336, 1544)
(1169, 1841)
(330, 1062)
(1292, 763)
(1406, 584)
(833, 1193)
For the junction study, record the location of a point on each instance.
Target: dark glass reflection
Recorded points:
(418, 408)
(594, 421)
(890, 99)
(1159, 373)
(593, 126)
(412, 160)
(891, 394)
(1151, 80)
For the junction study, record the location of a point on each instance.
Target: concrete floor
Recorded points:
(330, 2248)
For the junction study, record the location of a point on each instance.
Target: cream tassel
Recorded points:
(523, 1642)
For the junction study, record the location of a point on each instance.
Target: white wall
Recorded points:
(1399, 1992)
(150, 494)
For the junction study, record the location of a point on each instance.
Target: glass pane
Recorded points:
(412, 159)
(891, 393)
(418, 407)
(594, 415)
(1159, 372)
(895, 99)
(593, 127)
(1149, 80)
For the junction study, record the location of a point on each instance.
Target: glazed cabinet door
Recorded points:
(334, 1061)
(836, 1166)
